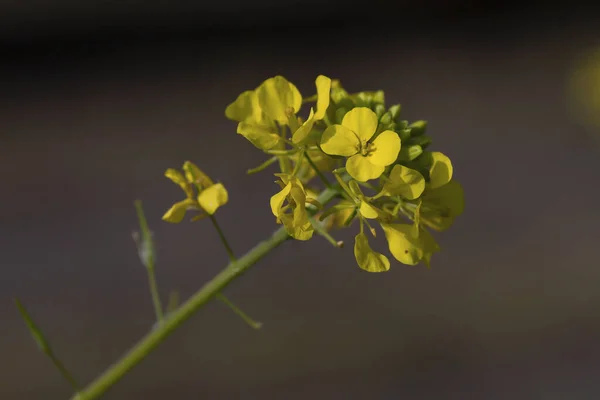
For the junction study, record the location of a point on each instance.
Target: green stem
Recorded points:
(149, 342)
(146, 252)
(317, 171)
(298, 163)
(247, 319)
(320, 229)
(44, 346)
(228, 249)
(155, 295)
(262, 166)
(253, 324)
(63, 370)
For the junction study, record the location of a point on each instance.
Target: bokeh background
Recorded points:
(98, 98)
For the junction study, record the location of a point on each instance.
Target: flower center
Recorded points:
(366, 149)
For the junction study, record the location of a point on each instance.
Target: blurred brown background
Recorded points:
(98, 100)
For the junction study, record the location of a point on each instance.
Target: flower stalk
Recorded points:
(155, 337)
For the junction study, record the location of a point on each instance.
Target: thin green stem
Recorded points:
(317, 171)
(262, 166)
(247, 319)
(281, 152)
(63, 370)
(298, 163)
(155, 295)
(320, 229)
(173, 301)
(228, 249)
(146, 252)
(254, 324)
(44, 346)
(149, 342)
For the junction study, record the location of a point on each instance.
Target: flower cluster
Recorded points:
(385, 173)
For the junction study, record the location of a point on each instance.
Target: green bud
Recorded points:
(410, 152)
(422, 141)
(369, 99)
(386, 119)
(338, 94)
(404, 134)
(418, 128)
(395, 111)
(379, 110)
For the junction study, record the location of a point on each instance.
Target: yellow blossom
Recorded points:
(323, 85)
(210, 195)
(353, 138)
(292, 197)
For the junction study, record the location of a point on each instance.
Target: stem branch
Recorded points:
(317, 171)
(174, 319)
(155, 295)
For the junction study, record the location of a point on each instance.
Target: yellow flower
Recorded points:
(247, 109)
(323, 85)
(210, 195)
(258, 111)
(296, 222)
(276, 95)
(254, 124)
(276, 101)
(367, 158)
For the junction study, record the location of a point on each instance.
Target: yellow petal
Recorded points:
(213, 197)
(360, 168)
(323, 84)
(367, 210)
(440, 171)
(278, 199)
(442, 205)
(193, 174)
(366, 258)
(339, 141)
(177, 177)
(299, 197)
(244, 108)
(303, 131)
(403, 245)
(362, 121)
(176, 213)
(302, 232)
(386, 148)
(261, 137)
(277, 94)
(405, 182)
